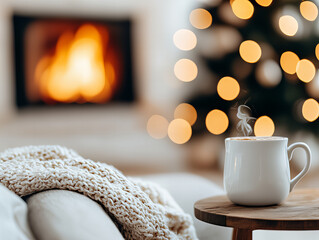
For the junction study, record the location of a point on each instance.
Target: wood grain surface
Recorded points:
(300, 211)
(242, 234)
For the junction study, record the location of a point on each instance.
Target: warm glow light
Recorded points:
(77, 71)
(200, 18)
(179, 131)
(288, 25)
(250, 51)
(243, 9)
(310, 110)
(305, 70)
(157, 126)
(264, 126)
(187, 112)
(317, 51)
(289, 61)
(185, 39)
(264, 3)
(185, 70)
(309, 10)
(217, 122)
(228, 88)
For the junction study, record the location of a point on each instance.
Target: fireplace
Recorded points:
(61, 61)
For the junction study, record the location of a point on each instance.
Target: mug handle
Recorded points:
(291, 149)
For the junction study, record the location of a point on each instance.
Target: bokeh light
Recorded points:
(309, 10)
(310, 110)
(228, 88)
(217, 122)
(185, 40)
(268, 73)
(243, 9)
(289, 61)
(264, 3)
(179, 131)
(200, 18)
(317, 51)
(250, 51)
(264, 127)
(305, 70)
(288, 25)
(185, 70)
(225, 12)
(157, 126)
(187, 112)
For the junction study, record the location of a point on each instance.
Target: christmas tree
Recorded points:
(264, 54)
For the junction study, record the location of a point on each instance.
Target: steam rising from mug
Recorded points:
(244, 117)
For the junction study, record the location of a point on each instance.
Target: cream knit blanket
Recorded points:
(142, 210)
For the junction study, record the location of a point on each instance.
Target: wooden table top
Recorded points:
(300, 211)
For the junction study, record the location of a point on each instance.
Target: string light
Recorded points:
(309, 10)
(289, 61)
(243, 9)
(200, 18)
(157, 126)
(185, 70)
(264, 127)
(310, 110)
(317, 51)
(185, 40)
(187, 112)
(250, 51)
(217, 122)
(264, 3)
(179, 131)
(288, 25)
(228, 88)
(305, 70)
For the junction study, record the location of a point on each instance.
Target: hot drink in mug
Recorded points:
(257, 171)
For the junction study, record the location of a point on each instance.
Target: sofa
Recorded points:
(67, 215)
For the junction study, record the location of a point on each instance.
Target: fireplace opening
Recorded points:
(62, 61)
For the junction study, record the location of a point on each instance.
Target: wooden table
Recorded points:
(300, 211)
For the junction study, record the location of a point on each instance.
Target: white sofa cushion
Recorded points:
(66, 215)
(13, 217)
(186, 189)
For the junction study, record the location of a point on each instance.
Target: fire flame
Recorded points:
(77, 72)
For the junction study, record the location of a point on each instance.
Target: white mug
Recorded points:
(257, 172)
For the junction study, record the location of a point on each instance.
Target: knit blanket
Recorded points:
(141, 210)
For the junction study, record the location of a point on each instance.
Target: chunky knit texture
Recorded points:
(141, 210)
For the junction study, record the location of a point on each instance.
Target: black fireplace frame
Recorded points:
(120, 28)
